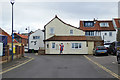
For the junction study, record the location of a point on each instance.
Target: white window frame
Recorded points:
(104, 24)
(51, 30)
(74, 45)
(70, 31)
(52, 46)
(47, 46)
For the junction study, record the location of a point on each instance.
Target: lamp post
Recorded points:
(12, 2)
(28, 28)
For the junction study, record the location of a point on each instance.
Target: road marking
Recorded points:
(16, 66)
(104, 68)
(13, 65)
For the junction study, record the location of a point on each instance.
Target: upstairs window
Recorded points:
(88, 23)
(36, 37)
(71, 31)
(104, 24)
(89, 33)
(51, 30)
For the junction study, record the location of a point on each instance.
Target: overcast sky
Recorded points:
(36, 14)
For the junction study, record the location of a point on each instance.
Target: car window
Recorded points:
(101, 48)
(118, 44)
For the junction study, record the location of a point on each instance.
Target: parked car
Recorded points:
(118, 56)
(100, 50)
(113, 48)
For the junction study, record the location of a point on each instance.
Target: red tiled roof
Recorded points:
(75, 38)
(97, 26)
(117, 22)
(9, 39)
(22, 36)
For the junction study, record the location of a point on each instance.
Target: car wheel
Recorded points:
(118, 60)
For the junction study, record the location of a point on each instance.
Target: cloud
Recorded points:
(37, 14)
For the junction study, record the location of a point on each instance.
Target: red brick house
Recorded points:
(103, 28)
(8, 36)
(21, 38)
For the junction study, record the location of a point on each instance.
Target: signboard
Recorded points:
(1, 49)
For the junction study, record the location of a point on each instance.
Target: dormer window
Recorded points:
(88, 23)
(104, 24)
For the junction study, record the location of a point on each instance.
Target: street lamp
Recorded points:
(12, 2)
(28, 28)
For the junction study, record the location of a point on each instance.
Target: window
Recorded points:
(36, 37)
(51, 30)
(71, 31)
(89, 33)
(110, 33)
(73, 45)
(104, 24)
(35, 42)
(88, 23)
(53, 45)
(76, 45)
(47, 45)
(79, 45)
(105, 33)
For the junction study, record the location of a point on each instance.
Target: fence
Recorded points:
(19, 52)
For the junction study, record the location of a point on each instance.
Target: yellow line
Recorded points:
(104, 68)
(16, 66)
(13, 65)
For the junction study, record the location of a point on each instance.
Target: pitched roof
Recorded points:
(61, 21)
(97, 26)
(74, 38)
(9, 37)
(117, 22)
(22, 36)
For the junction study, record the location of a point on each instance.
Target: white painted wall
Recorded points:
(39, 42)
(107, 38)
(67, 47)
(61, 29)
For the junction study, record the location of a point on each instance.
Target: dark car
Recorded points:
(100, 50)
(113, 48)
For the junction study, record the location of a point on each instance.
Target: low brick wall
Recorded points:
(19, 52)
(41, 52)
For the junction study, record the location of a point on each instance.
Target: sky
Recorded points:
(36, 13)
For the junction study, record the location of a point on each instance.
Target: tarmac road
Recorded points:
(62, 66)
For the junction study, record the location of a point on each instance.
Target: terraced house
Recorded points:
(74, 40)
(103, 28)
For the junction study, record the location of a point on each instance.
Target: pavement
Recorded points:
(67, 66)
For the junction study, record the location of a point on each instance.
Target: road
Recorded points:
(65, 66)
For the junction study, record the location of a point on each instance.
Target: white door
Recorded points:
(1, 49)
